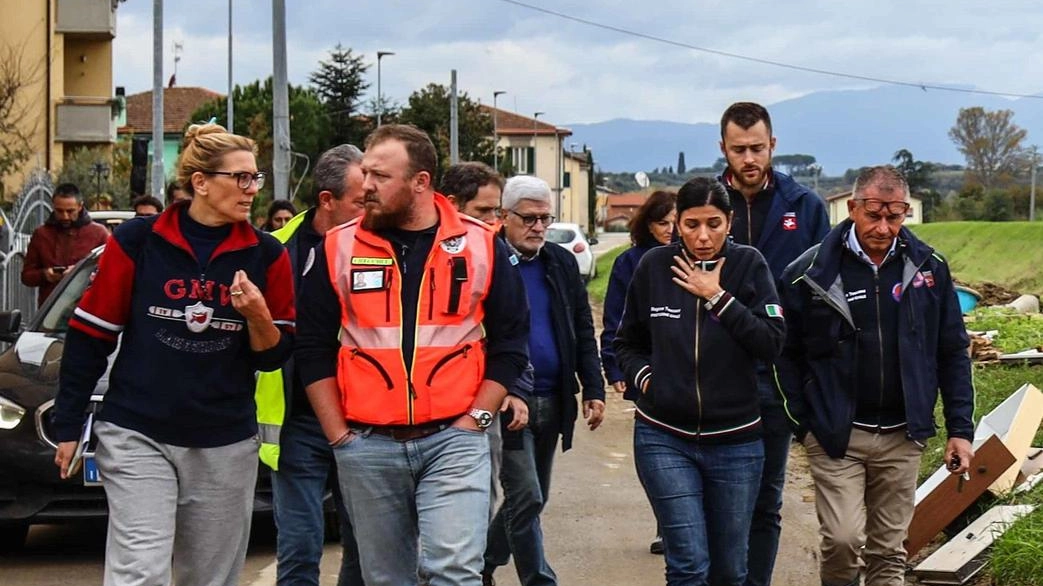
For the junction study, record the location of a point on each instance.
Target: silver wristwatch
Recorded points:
(711, 302)
(482, 417)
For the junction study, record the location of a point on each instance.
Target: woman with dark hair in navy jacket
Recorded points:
(699, 315)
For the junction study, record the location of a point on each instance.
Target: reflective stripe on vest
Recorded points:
(449, 354)
(270, 392)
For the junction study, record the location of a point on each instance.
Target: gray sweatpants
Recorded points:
(167, 503)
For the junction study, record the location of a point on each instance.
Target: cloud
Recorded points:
(578, 73)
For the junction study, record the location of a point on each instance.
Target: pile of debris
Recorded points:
(1004, 462)
(982, 350)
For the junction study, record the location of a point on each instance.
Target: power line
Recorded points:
(665, 41)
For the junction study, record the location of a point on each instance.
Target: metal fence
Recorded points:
(31, 209)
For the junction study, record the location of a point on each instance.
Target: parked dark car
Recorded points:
(30, 490)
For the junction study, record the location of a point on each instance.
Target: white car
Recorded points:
(570, 237)
(111, 218)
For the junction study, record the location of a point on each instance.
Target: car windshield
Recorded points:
(560, 235)
(56, 318)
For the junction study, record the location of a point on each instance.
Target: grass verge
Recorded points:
(1005, 253)
(599, 284)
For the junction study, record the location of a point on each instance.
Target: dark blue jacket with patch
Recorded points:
(796, 221)
(819, 364)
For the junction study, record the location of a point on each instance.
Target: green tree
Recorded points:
(794, 164)
(79, 168)
(991, 143)
(17, 125)
(309, 129)
(919, 175)
(680, 163)
(428, 110)
(339, 84)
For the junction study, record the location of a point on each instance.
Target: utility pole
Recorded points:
(535, 119)
(496, 131)
(280, 104)
(158, 174)
(1032, 192)
(228, 101)
(454, 122)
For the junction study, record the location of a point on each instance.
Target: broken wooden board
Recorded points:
(1032, 356)
(1031, 471)
(1015, 421)
(944, 496)
(963, 556)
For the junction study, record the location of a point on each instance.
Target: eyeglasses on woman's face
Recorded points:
(243, 178)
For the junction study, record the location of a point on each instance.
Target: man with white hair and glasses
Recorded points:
(564, 356)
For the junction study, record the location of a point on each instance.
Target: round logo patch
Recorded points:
(454, 245)
(896, 291)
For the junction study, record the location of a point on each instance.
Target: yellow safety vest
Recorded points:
(270, 393)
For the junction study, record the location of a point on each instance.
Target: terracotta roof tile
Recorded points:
(510, 123)
(178, 105)
(626, 199)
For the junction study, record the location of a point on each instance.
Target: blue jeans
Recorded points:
(525, 477)
(431, 492)
(767, 513)
(306, 469)
(703, 497)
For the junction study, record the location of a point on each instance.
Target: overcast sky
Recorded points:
(579, 73)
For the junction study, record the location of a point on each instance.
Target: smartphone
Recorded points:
(706, 265)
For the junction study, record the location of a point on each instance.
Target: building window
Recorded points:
(566, 180)
(524, 160)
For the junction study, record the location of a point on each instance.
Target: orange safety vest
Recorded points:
(449, 349)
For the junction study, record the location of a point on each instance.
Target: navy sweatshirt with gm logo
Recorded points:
(184, 374)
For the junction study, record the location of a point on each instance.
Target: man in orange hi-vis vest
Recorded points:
(413, 326)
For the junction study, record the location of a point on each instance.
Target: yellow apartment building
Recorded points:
(60, 54)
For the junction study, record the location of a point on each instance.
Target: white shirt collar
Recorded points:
(856, 247)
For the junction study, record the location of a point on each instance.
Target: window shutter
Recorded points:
(532, 160)
(566, 181)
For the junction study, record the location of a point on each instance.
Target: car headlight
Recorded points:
(11, 414)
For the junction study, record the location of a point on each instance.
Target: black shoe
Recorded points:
(487, 580)
(657, 546)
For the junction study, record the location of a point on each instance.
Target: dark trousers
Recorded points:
(767, 513)
(306, 470)
(525, 478)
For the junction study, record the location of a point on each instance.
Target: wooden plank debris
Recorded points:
(965, 555)
(1015, 421)
(1031, 472)
(944, 496)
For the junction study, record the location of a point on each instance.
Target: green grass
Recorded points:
(1017, 555)
(1005, 253)
(992, 384)
(597, 286)
(1018, 331)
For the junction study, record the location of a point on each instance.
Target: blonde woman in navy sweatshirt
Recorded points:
(201, 300)
(699, 315)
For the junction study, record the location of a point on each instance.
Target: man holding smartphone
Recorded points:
(66, 237)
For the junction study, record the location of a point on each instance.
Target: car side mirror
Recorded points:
(10, 325)
(592, 241)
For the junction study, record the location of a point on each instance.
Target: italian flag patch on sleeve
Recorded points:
(773, 310)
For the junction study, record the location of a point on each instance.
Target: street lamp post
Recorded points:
(100, 170)
(380, 97)
(535, 119)
(496, 131)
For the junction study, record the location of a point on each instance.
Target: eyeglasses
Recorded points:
(875, 206)
(243, 178)
(530, 221)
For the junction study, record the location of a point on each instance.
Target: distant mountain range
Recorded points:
(842, 129)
